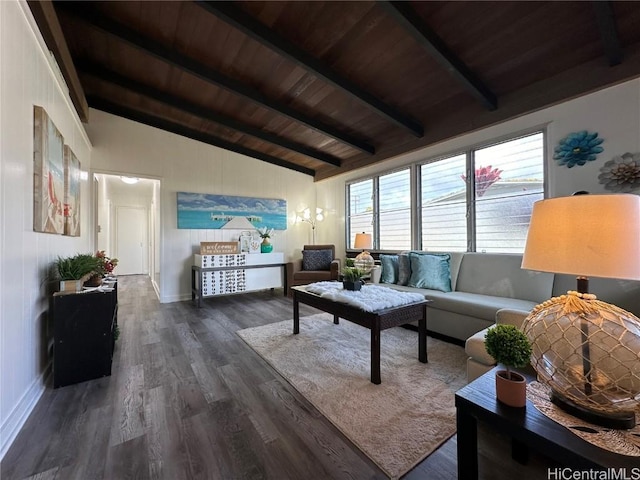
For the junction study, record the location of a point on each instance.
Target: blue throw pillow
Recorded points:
(389, 265)
(317, 259)
(404, 269)
(430, 271)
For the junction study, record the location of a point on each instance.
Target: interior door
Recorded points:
(131, 240)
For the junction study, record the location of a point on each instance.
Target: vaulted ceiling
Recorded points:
(325, 87)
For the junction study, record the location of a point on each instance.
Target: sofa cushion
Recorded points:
(430, 271)
(317, 259)
(389, 265)
(477, 305)
(475, 348)
(499, 274)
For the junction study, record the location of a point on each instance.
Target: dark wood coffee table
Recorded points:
(374, 321)
(528, 428)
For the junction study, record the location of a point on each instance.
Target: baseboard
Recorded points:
(19, 415)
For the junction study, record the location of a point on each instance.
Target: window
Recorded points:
(360, 213)
(509, 179)
(444, 205)
(476, 200)
(394, 211)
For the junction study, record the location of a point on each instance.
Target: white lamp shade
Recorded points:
(585, 235)
(363, 241)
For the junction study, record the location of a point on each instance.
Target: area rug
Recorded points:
(397, 423)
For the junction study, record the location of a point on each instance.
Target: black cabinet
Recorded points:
(83, 328)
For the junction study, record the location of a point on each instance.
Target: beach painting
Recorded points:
(48, 174)
(207, 211)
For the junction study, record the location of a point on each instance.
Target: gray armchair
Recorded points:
(318, 263)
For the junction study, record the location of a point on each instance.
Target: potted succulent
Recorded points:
(74, 271)
(352, 278)
(510, 348)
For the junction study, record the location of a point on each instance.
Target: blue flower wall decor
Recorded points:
(578, 148)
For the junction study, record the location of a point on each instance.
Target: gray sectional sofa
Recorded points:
(483, 284)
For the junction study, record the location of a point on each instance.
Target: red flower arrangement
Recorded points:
(105, 264)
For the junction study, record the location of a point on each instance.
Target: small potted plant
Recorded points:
(74, 271)
(265, 233)
(510, 348)
(352, 278)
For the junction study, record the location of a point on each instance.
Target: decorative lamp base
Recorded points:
(616, 420)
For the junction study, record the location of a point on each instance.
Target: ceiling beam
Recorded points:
(608, 31)
(106, 75)
(47, 20)
(248, 25)
(157, 122)
(167, 55)
(430, 41)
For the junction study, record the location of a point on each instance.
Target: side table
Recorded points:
(527, 427)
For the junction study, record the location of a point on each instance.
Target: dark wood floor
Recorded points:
(187, 399)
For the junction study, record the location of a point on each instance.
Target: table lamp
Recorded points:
(364, 261)
(586, 350)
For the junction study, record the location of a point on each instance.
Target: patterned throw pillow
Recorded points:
(389, 265)
(317, 259)
(430, 271)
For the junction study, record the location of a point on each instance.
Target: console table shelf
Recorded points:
(213, 275)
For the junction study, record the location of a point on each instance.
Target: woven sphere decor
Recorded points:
(576, 333)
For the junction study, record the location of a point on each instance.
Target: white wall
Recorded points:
(183, 165)
(614, 113)
(27, 78)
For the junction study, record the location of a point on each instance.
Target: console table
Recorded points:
(84, 326)
(527, 427)
(213, 275)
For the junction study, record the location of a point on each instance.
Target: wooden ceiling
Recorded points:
(325, 87)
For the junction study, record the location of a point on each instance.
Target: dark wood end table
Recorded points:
(374, 321)
(527, 427)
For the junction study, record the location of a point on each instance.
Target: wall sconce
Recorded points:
(305, 216)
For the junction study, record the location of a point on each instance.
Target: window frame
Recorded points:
(415, 188)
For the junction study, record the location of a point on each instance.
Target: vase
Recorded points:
(511, 391)
(93, 281)
(265, 246)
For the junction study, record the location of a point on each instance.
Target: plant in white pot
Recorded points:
(511, 348)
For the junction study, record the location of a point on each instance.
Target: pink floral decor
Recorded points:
(485, 177)
(106, 264)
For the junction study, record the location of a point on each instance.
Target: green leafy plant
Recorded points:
(509, 346)
(351, 274)
(349, 262)
(76, 267)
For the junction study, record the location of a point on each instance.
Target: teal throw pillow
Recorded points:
(389, 265)
(404, 269)
(430, 271)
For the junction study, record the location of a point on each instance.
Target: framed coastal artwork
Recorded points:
(71, 193)
(208, 211)
(48, 174)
